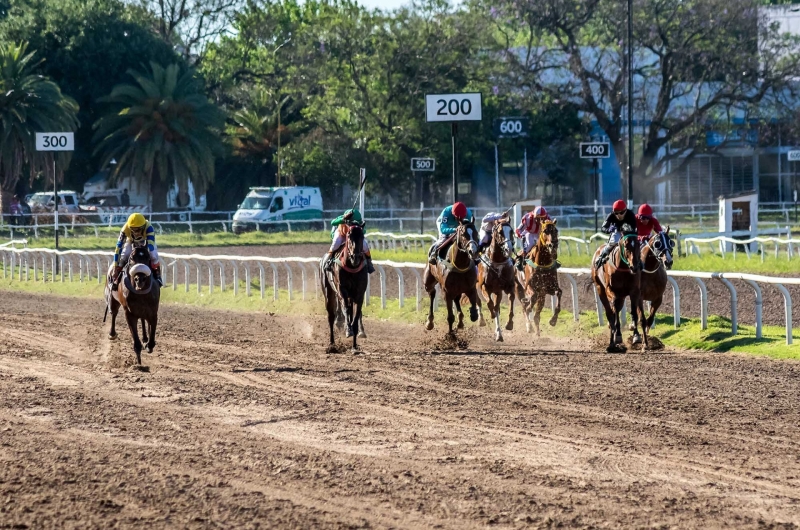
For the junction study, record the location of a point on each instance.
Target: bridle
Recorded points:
(463, 243)
(661, 249)
(499, 237)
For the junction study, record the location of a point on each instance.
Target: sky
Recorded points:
(390, 4)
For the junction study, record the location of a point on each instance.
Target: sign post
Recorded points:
(419, 165)
(55, 141)
(510, 127)
(595, 151)
(793, 156)
(454, 108)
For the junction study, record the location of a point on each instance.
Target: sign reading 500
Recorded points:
(453, 107)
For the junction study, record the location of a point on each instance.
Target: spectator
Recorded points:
(125, 199)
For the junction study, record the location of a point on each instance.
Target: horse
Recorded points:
(346, 285)
(657, 260)
(620, 277)
(540, 276)
(496, 275)
(139, 295)
(456, 275)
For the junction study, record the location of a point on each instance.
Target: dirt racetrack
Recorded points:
(244, 422)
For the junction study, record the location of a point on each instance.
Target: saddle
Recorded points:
(441, 252)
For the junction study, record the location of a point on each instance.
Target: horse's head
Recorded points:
(503, 237)
(139, 268)
(629, 251)
(466, 239)
(355, 245)
(662, 247)
(548, 237)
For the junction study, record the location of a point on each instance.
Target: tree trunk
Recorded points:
(158, 192)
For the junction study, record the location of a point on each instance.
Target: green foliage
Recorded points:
(29, 103)
(162, 129)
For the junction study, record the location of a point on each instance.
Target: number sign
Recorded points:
(793, 156)
(454, 107)
(55, 141)
(595, 150)
(423, 164)
(510, 127)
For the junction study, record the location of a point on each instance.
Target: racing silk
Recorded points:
(447, 223)
(613, 224)
(529, 224)
(126, 236)
(339, 220)
(489, 220)
(644, 230)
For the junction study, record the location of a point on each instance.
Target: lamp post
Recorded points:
(629, 59)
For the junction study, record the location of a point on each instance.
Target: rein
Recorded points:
(542, 247)
(453, 251)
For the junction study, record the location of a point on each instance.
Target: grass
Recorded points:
(716, 338)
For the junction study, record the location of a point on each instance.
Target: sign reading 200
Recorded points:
(453, 107)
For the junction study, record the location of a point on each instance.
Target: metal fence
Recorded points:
(19, 263)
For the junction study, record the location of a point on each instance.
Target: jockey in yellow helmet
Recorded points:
(136, 232)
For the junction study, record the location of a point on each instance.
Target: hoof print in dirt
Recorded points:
(619, 348)
(140, 368)
(654, 344)
(336, 348)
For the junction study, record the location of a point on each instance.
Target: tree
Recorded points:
(162, 130)
(696, 62)
(29, 103)
(87, 47)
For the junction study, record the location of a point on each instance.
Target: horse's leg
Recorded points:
(473, 301)
(356, 319)
(511, 297)
(537, 315)
(144, 331)
(554, 318)
(348, 307)
(331, 305)
(498, 334)
(362, 333)
(457, 303)
(133, 325)
(635, 315)
(481, 321)
(151, 344)
(654, 305)
(429, 325)
(619, 303)
(450, 316)
(114, 306)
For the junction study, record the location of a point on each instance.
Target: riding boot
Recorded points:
(603, 256)
(157, 274)
(115, 278)
(520, 263)
(432, 254)
(328, 262)
(370, 266)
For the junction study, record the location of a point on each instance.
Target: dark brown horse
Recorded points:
(618, 278)
(139, 295)
(456, 275)
(657, 260)
(496, 275)
(540, 276)
(346, 285)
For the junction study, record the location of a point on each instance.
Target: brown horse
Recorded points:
(620, 277)
(657, 260)
(139, 295)
(456, 275)
(346, 285)
(540, 276)
(496, 275)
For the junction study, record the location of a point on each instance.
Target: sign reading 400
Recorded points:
(454, 107)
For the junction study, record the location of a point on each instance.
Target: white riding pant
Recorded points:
(339, 240)
(528, 241)
(128, 248)
(486, 236)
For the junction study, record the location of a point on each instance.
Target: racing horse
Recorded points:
(620, 277)
(656, 260)
(496, 275)
(346, 285)
(138, 294)
(456, 275)
(540, 276)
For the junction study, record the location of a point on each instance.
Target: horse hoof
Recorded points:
(112, 336)
(631, 327)
(498, 338)
(460, 325)
(510, 326)
(636, 339)
(473, 314)
(150, 349)
(429, 325)
(349, 332)
(553, 321)
(362, 335)
(618, 339)
(482, 322)
(528, 327)
(611, 349)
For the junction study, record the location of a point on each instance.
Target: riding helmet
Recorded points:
(645, 210)
(136, 220)
(619, 206)
(459, 210)
(540, 212)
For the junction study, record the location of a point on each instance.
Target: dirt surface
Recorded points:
(243, 421)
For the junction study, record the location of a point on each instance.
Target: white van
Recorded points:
(264, 206)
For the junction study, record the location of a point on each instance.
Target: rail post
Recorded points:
(759, 305)
(734, 302)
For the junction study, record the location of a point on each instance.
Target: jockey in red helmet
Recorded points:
(619, 217)
(448, 221)
(528, 231)
(646, 222)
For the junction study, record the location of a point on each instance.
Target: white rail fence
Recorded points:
(21, 261)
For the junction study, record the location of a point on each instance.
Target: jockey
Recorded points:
(487, 225)
(647, 222)
(340, 227)
(137, 232)
(619, 217)
(528, 231)
(448, 221)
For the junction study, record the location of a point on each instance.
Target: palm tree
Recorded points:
(29, 103)
(162, 129)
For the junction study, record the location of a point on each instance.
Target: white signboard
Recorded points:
(793, 156)
(454, 107)
(55, 141)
